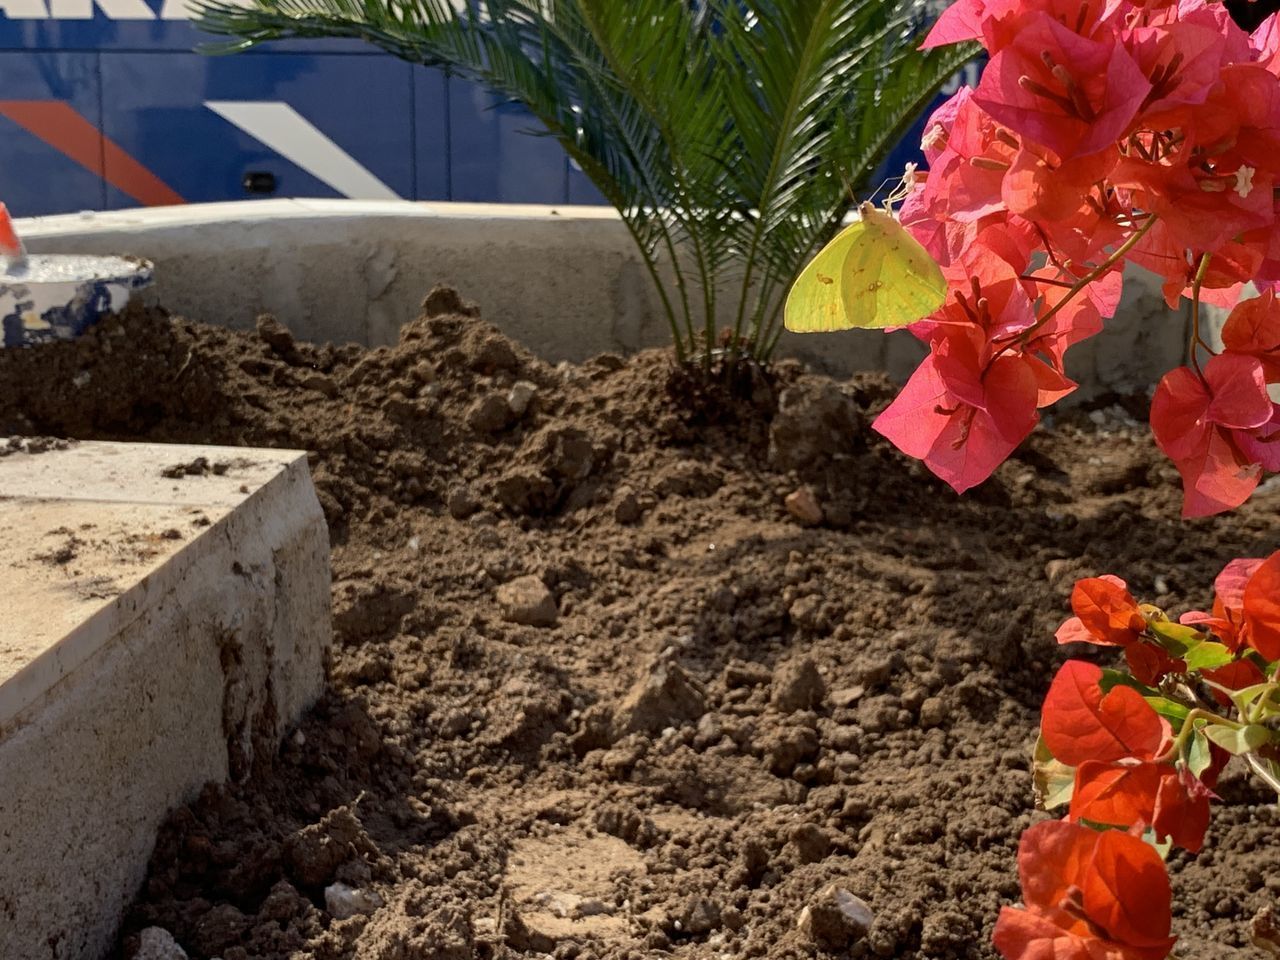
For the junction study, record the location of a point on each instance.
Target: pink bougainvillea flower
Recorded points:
(1246, 613)
(961, 195)
(1265, 43)
(1107, 615)
(987, 20)
(1234, 676)
(1079, 723)
(1262, 608)
(1253, 329)
(1181, 60)
(961, 423)
(974, 399)
(1116, 742)
(1073, 95)
(1088, 895)
(1218, 431)
(1167, 798)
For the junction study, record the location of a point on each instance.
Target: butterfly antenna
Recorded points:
(903, 187)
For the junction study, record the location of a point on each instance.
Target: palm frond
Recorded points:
(726, 129)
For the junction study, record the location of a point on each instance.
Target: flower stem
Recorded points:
(1116, 256)
(1189, 729)
(1196, 342)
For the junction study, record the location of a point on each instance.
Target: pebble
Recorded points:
(1056, 570)
(156, 943)
(462, 503)
(526, 600)
(804, 508)
(343, 902)
(665, 696)
(275, 334)
(521, 395)
(933, 713)
(847, 696)
(489, 414)
(835, 919)
(797, 685)
(321, 383)
(627, 507)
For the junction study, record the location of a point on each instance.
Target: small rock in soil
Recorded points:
(526, 600)
(1264, 930)
(343, 902)
(315, 852)
(835, 919)
(847, 696)
(443, 301)
(933, 712)
(462, 503)
(815, 421)
(797, 685)
(489, 414)
(626, 508)
(804, 508)
(665, 697)
(276, 335)
(156, 943)
(699, 917)
(520, 396)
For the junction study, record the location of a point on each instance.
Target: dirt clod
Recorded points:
(797, 685)
(664, 697)
(835, 919)
(156, 943)
(803, 506)
(657, 771)
(527, 600)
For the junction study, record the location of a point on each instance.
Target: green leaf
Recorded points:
(1052, 780)
(1199, 757)
(1237, 742)
(1175, 637)
(1164, 849)
(1121, 678)
(1206, 655)
(1247, 699)
(1171, 710)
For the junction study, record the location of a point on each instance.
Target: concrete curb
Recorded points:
(162, 633)
(565, 281)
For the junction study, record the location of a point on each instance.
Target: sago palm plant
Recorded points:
(730, 135)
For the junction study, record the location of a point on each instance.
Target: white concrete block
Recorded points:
(159, 632)
(565, 281)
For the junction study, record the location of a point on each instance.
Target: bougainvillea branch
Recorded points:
(1100, 134)
(1134, 758)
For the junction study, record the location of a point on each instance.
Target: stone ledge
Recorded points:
(565, 281)
(161, 632)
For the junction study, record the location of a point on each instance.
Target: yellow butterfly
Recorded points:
(872, 275)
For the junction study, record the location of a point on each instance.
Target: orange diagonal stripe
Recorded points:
(61, 127)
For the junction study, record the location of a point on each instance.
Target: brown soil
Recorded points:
(710, 711)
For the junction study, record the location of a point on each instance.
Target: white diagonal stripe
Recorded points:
(280, 127)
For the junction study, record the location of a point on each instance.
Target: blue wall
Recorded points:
(301, 119)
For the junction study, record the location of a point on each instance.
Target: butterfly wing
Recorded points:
(872, 275)
(816, 301)
(890, 280)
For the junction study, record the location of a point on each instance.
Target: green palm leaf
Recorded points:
(727, 136)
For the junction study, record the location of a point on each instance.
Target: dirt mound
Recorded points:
(597, 694)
